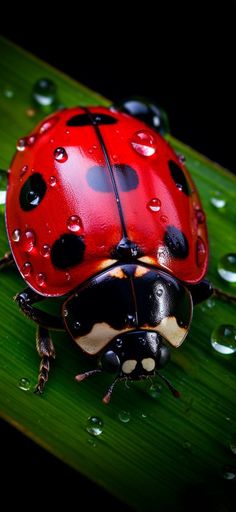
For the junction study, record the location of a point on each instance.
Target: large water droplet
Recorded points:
(27, 269)
(229, 472)
(155, 390)
(40, 279)
(60, 155)
(21, 144)
(16, 234)
(94, 426)
(124, 416)
(24, 384)
(217, 199)
(232, 444)
(154, 205)
(44, 92)
(28, 241)
(74, 223)
(227, 268)
(144, 143)
(223, 339)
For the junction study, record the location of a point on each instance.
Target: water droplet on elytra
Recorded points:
(27, 269)
(74, 223)
(164, 219)
(44, 92)
(60, 155)
(28, 241)
(223, 339)
(228, 472)
(47, 125)
(200, 251)
(21, 144)
(217, 199)
(24, 384)
(45, 251)
(67, 276)
(181, 159)
(144, 143)
(94, 426)
(227, 267)
(124, 416)
(232, 444)
(155, 390)
(16, 234)
(200, 215)
(40, 279)
(52, 181)
(31, 140)
(154, 205)
(24, 169)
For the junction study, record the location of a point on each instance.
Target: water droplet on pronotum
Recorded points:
(94, 426)
(223, 339)
(124, 416)
(24, 384)
(227, 267)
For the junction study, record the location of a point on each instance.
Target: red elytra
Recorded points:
(68, 162)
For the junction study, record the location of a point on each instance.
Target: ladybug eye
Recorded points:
(110, 362)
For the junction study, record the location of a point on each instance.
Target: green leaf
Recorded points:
(170, 450)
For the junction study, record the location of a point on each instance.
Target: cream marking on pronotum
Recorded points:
(171, 331)
(98, 337)
(140, 271)
(129, 366)
(148, 364)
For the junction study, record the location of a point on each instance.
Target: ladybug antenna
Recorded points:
(106, 399)
(174, 391)
(85, 375)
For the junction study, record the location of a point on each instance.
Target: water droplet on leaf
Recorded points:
(217, 199)
(94, 426)
(44, 92)
(227, 268)
(223, 339)
(24, 384)
(124, 416)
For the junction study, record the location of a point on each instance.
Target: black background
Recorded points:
(184, 59)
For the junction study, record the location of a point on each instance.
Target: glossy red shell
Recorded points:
(152, 204)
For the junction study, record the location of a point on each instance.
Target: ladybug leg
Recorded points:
(26, 299)
(46, 351)
(6, 260)
(201, 291)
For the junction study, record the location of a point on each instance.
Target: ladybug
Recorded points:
(102, 212)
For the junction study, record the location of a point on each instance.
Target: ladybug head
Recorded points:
(134, 355)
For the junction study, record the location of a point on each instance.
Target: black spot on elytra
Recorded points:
(67, 251)
(32, 192)
(91, 119)
(99, 179)
(179, 177)
(176, 242)
(126, 177)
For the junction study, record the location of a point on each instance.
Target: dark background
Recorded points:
(184, 59)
